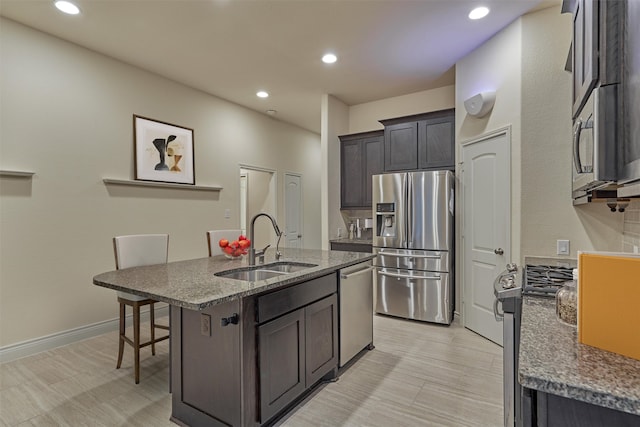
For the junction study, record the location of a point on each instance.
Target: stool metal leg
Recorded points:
(136, 340)
(121, 335)
(152, 321)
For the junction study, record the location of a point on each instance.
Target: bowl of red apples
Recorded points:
(234, 249)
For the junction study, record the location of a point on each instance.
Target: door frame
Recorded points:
(505, 130)
(273, 190)
(301, 207)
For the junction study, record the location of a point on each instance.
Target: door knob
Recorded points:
(299, 236)
(498, 251)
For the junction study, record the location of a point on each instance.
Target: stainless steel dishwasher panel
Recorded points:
(413, 294)
(356, 310)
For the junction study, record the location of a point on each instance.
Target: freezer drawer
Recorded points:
(412, 259)
(418, 295)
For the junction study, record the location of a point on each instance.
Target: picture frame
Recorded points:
(163, 152)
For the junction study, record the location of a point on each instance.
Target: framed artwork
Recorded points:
(163, 152)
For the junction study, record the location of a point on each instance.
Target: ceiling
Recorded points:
(233, 48)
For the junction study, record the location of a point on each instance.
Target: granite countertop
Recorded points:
(192, 284)
(552, 361)
(354, 241)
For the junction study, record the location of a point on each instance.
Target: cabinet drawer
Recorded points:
(283, 301)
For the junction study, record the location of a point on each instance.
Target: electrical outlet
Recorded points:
(205, 324)
(227, 213)
(562, 247)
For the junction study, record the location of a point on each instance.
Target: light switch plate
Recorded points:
(227, 213)
(562, 247)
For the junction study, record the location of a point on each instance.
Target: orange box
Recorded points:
(609, 302)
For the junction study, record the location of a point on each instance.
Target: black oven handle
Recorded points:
(576, 146)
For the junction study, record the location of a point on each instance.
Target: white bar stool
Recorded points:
(134, 251)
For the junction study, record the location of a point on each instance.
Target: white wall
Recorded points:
(67, 115)
(365, 117)
(548, 213)
(524, 64)
(335, 122)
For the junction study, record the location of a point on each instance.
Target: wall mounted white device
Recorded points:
(480, 104)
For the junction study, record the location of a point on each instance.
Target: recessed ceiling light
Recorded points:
(329, 58)
(262, 94)
(67, 7)
(479, 12)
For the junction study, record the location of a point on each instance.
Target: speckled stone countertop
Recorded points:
(192, 284)
(553, 361)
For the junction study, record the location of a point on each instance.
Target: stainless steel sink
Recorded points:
(264, 272)
(250, 275)
(287, 267)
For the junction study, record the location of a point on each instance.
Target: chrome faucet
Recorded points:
(252, 251)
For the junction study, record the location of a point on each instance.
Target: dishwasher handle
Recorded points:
(357, 273)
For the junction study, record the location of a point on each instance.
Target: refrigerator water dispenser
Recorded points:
(385, 220)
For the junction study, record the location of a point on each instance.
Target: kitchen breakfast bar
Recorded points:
(246, 341)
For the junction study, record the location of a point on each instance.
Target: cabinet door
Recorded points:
(373, 149)
(321, 325)
(282, 361)
(436, 143)
(206, 370)
(401, 146)
(585, 51)
(351, 174)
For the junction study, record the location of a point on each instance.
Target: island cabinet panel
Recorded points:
(558, 411)
(297, 341)
(321, 343)
(282, 362)
(206, 366)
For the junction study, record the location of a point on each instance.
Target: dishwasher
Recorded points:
(356, 310)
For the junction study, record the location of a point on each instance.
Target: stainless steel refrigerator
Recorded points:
(413, 238)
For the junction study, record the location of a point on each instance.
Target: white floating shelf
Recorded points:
(110, 181)
(17, 174)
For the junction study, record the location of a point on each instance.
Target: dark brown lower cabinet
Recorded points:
(296, 351)
(206, 366)
(242, 362)
(282, 362)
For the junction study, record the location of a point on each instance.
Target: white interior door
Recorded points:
(486, 227)
(258, 190)
(293, 210)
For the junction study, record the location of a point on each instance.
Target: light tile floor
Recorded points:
(419, 374)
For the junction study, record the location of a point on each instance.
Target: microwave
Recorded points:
(596, 131)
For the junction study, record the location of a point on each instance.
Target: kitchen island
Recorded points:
(243, 352)
(568, 383)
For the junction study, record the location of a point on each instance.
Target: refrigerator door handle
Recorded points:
(409, 196)
(409, 255)
(408, 276)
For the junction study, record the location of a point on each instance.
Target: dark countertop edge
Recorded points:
(255, 288)
(542, 378)
(353, 241)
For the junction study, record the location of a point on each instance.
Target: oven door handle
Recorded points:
(497, 314)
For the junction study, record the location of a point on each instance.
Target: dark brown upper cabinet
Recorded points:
(420, 142)
(361, 157)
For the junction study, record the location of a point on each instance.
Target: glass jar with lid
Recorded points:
(567, 301)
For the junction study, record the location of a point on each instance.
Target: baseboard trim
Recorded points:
(48, 342)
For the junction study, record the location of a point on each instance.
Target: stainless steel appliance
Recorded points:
(606, 98)
(356, 310)
(413, 238)
(508, 288)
